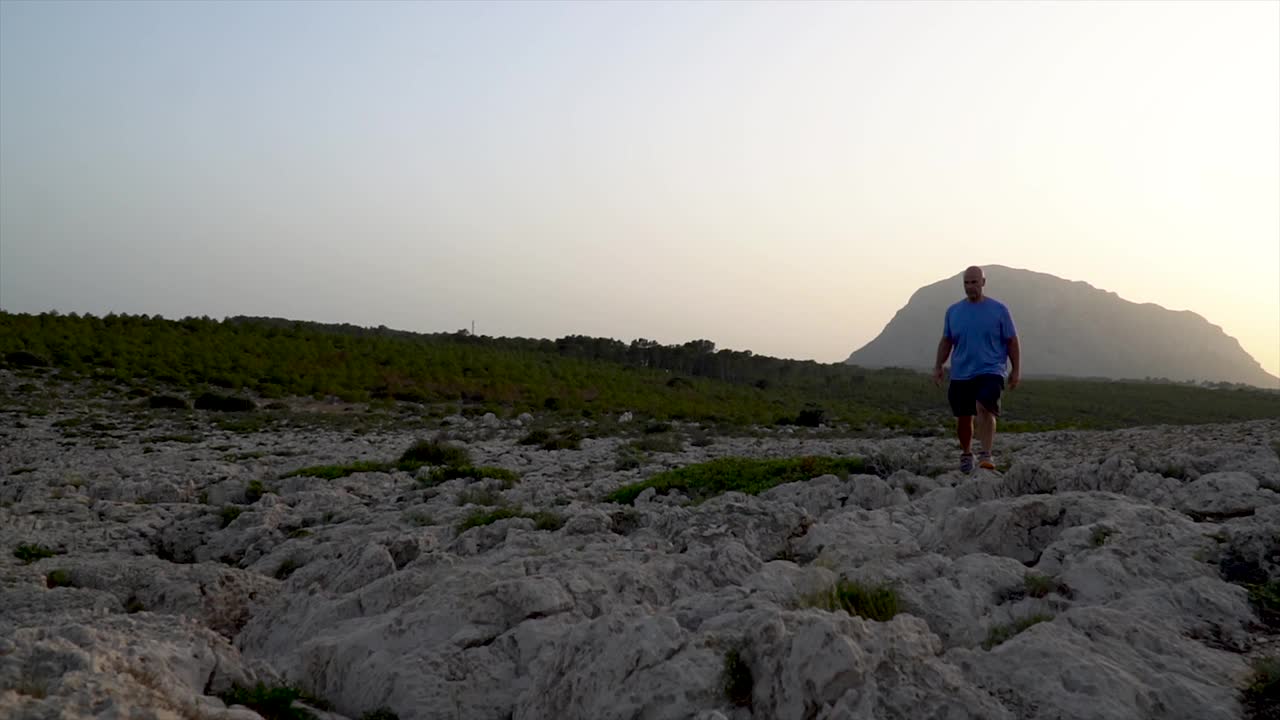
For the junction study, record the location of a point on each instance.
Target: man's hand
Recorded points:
(1014, 378)
(937, 376)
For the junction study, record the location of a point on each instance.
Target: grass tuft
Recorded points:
(1001, 633)
(274, 703)
(870, 602)
(31, 552)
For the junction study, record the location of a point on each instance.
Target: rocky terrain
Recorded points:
(152, 560)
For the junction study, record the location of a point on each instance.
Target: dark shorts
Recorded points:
(964, 395)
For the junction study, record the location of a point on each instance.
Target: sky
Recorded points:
(774, 177)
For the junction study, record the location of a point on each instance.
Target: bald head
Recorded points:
(973, 283)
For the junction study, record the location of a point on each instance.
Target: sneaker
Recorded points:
(966, 463)
(984, 461)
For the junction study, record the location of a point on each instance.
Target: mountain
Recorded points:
(1070, 328)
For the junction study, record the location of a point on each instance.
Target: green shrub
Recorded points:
(534, 437)
(433, 452)
(738, 683)
(628, 458)
(745, 475)
(1262, 695)
(542, 520)
(229, 513)
(23, 359)
(420, 519)
(254, 491)
(1038, 586)
(663, 443)
(58, 578)
(223, 403)
(478, 496)
(1099, 536)
(549, 521)
(1265, 598)
(166, 402)
(558, 440)
(273, 703)
(811, 416)
(1001, 633)
(29, 552)
(287, 567)
(487, 517)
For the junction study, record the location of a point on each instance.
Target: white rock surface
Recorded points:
(361, 591)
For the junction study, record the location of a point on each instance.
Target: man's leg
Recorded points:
(986, 429)
(988, 403)
(964, 431)
(960, 396)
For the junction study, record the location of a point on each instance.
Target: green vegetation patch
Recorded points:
(1265, 598)
(229, 513)
(738, 683)
(1262, 696)
(872, 602)
(745, 475)
(572, 377)
(1001, 633)
(58, 578)
(31, 552)
(274, 702)
(542, 520)
(435, 452)
(451, 472)
(423, 452)
(568, 439)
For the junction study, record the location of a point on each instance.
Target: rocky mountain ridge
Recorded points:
(1072, 329)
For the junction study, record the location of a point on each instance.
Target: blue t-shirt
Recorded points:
(980, 333)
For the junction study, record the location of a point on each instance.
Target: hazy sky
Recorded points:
(778, 177)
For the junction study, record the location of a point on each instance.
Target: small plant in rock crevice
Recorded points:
(542, 520)
(274, 702)
(287, 568)
(1038, 586)
(479, 496)
(871, 602)
(58, 578)
(738, 684)
(254, 491)
(1001, 633)
(229, 513)
(1099, 536)
(1261, 698)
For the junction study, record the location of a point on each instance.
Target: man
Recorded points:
(980, 330)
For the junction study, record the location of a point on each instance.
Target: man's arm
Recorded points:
(1015, 361)
(944, 350)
